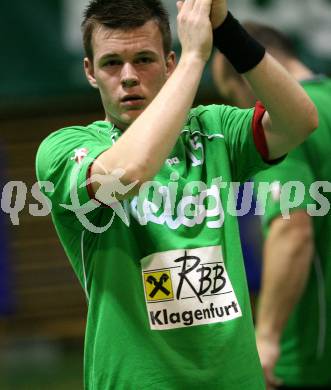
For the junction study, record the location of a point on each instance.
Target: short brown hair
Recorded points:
(126, 15)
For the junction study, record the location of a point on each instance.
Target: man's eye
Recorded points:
(112, 63)
(144, 60)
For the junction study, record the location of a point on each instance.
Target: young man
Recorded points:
(293, 320)
(162, 267)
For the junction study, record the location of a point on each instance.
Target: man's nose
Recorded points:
(129, 76)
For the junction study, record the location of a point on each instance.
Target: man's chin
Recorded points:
(126, 119)
(133, 114)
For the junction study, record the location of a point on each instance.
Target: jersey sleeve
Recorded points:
(64, 159)
(294, 168)
(247, 157)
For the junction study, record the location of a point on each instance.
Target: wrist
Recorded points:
(243, 51)
(267, 333)
(192, 61)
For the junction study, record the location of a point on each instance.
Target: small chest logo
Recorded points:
(79, 155)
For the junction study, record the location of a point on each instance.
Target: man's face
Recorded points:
(129, 69)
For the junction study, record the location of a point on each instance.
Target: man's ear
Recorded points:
(170, 63)
(89, 72)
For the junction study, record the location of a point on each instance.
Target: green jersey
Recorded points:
(168, 306)
(306, 340)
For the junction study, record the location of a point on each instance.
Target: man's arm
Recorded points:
(145, 145)
(291, 116)
(288, 253)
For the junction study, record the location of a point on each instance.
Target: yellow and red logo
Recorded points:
(158, 286)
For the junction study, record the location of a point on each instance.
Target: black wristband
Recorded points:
(243, 51)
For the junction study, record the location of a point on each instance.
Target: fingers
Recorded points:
(179, 5)
(219, 11)
(203, 6)
(194, 27)
(272, 381)
(189, 4)
(186, 5)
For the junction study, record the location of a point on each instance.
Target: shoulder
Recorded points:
(64, 143)
(63, 134)
(75, 135)
(220, 119)
(319, 89)
(209, 112)
(215, 118)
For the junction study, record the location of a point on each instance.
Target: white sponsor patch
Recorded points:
(188, 287)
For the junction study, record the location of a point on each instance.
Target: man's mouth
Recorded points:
(132, 100)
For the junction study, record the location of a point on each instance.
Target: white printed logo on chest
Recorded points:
(188, 287)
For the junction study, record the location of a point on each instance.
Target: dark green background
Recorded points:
(35, 62)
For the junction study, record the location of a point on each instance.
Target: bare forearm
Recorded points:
(291, 116)
(287, 258)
